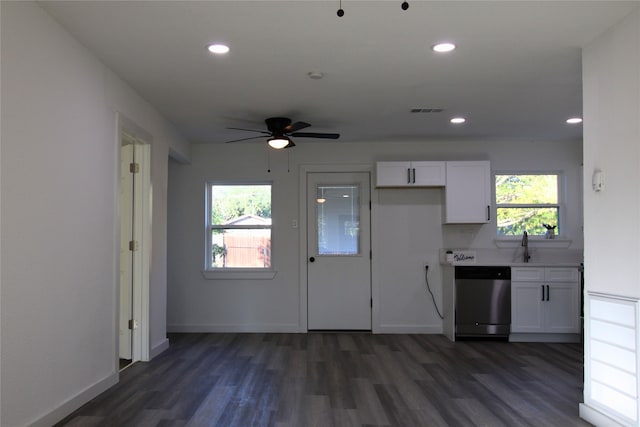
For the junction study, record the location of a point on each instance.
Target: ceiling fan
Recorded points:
(281, 128)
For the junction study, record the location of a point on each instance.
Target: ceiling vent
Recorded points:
(426, 110)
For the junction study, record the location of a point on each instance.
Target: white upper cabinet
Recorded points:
(468, 192)
(410, 174)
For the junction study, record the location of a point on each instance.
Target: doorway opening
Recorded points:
(135, 235)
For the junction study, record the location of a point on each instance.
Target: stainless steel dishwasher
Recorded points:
(483, 301)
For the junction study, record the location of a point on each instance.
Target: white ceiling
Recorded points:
(516, 73)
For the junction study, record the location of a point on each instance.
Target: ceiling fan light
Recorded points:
(279, 142)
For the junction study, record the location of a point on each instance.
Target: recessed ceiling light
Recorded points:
(218, 48)
(458, 120)
(443, 47)
(574, 120)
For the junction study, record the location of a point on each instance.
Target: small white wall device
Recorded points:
(597, 180)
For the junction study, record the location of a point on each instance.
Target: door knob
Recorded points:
(312, 259)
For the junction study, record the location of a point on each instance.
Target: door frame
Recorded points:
(128, 130)
(302, 221)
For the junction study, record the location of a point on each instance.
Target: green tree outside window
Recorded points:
(527, 202)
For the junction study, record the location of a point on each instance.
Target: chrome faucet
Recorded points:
(525, 244)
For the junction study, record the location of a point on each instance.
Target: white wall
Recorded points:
(611, 85)
(611, 79)
(407, 230)
(59, 217)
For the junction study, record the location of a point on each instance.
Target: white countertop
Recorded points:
(513, 257)
(515, 264)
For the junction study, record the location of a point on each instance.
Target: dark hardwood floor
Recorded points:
(344, 379)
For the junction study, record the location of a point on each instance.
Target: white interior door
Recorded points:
(338, 251)
(126, 256)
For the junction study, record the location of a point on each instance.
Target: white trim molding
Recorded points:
(409, 329)
(239, 274)
(612, 362)
(237, 328)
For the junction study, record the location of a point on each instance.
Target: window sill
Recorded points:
(239, 274)
(540, 243)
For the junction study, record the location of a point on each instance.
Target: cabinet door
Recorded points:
(428, 174)
(561, 308)
(468, 192)
(527, 307)
(393, 174)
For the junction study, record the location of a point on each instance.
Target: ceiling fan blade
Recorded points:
(293, 127)
(244, 139)
(252, 130)
(316, 135)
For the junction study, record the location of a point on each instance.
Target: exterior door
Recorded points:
(338, 251)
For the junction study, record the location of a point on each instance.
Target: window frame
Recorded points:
(560, 205)
(233, 272)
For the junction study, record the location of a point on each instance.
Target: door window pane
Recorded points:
(338, 219)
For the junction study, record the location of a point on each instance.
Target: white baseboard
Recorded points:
(596, 417)
(256, 328)
(75, 402)
(408, 329)
(294, 329)
(557, 338)
(158, 349)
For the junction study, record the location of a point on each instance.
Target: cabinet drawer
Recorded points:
(527, 274)
(561, 274)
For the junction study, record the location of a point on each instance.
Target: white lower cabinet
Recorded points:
(545, 300)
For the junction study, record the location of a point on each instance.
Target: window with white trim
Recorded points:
(528, 202)
(238, 226)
